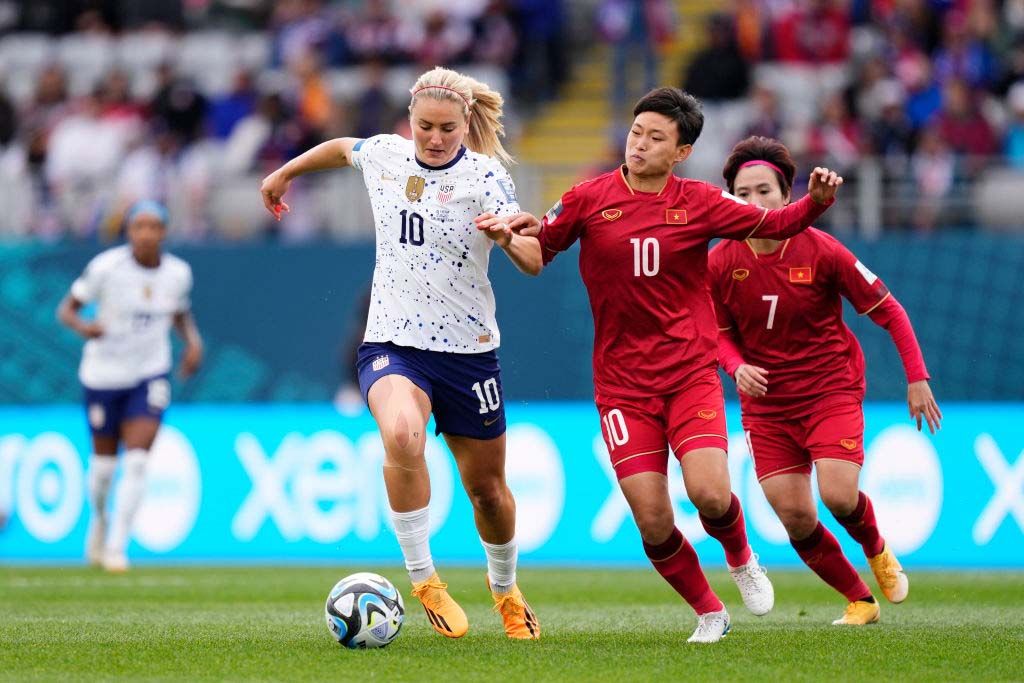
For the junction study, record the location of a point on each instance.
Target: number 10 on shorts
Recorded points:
(615, 426)
(488, 395)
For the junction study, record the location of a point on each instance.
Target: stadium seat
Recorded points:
(203, 52)
(355, 223)
(144, 51)
(399, 80)
(236, 209)
(254, 50)
(86, 58)
(20, 204)
(998, 202)
(346, 84)
(144, 84)
(20, 85)
(799, 88)
(271, 81)
(20, 52)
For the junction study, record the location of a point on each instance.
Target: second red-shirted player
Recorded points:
(800, 373)
(644, 236)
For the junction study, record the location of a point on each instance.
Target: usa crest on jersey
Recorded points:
(445, 192)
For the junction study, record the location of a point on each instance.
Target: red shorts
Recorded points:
(638, 431)
(792, 446)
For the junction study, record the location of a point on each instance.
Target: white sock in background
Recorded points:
(101, 473)
(501, 564)
(413, 532)
(129, 496)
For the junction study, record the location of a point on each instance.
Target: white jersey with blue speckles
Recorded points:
(135, 306)
(430, 284)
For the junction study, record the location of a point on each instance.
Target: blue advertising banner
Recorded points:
(302, 483)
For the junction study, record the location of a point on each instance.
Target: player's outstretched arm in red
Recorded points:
(891, 316)
(735, 219)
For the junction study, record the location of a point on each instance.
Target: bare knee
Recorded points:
(488, 497)
(799, 521)
(710, 501)
(840, 503)
(404, 438)
(655, 523)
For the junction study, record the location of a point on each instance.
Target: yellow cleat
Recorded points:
(859, 613)
(520, 621)
(889, 574)
(444, 614)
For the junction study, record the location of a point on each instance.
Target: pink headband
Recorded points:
(762, 162)
(442, 87)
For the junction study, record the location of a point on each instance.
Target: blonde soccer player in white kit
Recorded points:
(140, 292)
(431, 333)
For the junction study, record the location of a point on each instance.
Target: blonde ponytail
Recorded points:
(479, 103)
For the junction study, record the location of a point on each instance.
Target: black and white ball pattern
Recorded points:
(364, 610)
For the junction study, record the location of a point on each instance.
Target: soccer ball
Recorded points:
(364, 610)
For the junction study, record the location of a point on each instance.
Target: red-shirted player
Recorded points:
(800, 372)
(644, 237)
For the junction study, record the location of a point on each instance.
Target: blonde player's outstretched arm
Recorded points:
(523, 251)
(336, 153)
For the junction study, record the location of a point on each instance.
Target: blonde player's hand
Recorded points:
(272, 190)
(751, 380)
(823, 184)
(922, 405)
(191, 361)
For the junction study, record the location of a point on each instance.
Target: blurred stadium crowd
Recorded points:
(192, 101)
(105, 102)
(931, 90)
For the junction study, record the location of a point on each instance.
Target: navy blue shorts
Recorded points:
(464, 388)
(106, 409)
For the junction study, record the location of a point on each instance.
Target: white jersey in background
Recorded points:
(135, 307)
(430, 285)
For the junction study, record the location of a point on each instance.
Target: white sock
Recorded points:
(129, 496)
(101, 473)
(501, 564)
(413, 532)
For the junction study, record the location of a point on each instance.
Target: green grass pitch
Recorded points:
(203, 623)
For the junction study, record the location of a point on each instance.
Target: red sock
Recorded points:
(731, 531)
(676, 561)
(861, 525)
(821, 552)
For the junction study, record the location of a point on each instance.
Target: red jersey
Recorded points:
(785, 313)
(643, 258)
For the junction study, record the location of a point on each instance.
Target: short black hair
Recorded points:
(756, 148)
(678, 105)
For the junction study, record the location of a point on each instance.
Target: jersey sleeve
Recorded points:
(716, 266)
(730, 217)
(499, 192)
(892, 317)
(364, 150)
(185, 297)
(87, 286)
(730, 357)
(562, 225)
(855, 282)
